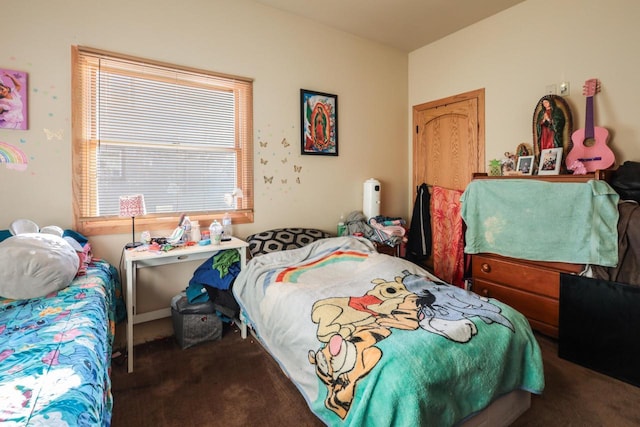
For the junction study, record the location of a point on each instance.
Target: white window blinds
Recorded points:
(180, 137)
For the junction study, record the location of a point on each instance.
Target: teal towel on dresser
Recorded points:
(542, 221)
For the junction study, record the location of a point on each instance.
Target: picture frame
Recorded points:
(525, 165)
(552, 126)
(550, 161)
(13, 98)
(318, 123)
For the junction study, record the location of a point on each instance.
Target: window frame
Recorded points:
(113, 224)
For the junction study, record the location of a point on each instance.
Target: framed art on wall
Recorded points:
(550, 161)
(13, 99)
(318, 123)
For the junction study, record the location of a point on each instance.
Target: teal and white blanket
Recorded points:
(573, 222)
(374, 340)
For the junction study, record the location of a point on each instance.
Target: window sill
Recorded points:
(118, 225)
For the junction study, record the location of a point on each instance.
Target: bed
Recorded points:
(371, 339)
(55, 352)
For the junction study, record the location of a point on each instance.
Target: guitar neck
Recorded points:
(588, 125)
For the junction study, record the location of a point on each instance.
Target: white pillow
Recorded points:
(35, 264)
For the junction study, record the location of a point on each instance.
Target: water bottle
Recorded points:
(195, 231)
(226, 226)
(186, 225)
(342, 228)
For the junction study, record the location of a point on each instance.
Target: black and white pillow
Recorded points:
(282, 239)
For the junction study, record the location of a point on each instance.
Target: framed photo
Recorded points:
(525, 165)
(550, 161)
(319, 123)
(13, 99)
(552, 126)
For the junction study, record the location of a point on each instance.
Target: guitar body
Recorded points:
(594, 153)
(590, 144)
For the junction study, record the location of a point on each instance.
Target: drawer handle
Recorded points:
(183, 257)
(486, 268)
(485, 292)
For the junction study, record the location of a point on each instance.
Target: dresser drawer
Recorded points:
(517, 275)
(536, 308)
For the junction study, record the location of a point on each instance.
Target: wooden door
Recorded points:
(448, 142)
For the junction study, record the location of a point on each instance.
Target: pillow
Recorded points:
(281, 239)
(22, 226)
(35, 264)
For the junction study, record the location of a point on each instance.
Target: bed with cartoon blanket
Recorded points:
(55, 353)
(375, 340)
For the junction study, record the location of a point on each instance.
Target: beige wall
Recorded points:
(514, 55)
(281, 52)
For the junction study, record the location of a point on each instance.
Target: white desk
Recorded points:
(138, 259)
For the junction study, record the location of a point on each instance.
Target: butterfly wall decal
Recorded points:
(268, 180)
(263, 161)
(285, 143)
(57, 134)
(297, 168)
(263, 144)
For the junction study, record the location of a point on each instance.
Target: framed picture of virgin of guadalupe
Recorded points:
(319, 123)
(552, 126)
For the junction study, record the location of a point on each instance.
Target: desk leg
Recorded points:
(243, 264)
(130, 285)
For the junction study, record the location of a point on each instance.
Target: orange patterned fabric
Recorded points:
(448, 236)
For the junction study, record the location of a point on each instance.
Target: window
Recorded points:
(179, 136)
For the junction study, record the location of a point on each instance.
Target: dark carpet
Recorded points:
(234, 382)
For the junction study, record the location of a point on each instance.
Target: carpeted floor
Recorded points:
(234, 382)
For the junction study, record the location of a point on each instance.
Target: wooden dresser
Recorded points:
(531, 287)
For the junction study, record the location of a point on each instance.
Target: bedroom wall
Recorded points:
(281, 52)
(514, 55)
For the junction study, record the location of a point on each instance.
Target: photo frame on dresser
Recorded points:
(550, 161)
(525, 165)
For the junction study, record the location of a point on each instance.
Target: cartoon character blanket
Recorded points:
(55, 353)
(370, 339)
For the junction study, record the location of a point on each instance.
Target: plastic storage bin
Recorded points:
(194, 323)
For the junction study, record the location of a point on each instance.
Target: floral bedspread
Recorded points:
(55, 353)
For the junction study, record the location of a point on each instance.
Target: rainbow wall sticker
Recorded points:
(12, 157)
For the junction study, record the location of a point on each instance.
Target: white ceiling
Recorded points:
(403, 24)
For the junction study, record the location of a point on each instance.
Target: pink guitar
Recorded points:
(590, 144)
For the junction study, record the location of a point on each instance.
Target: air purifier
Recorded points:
(371, 198)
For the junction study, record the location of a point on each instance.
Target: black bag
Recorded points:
(626, 181)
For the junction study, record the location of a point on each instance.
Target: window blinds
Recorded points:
(181, 137)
